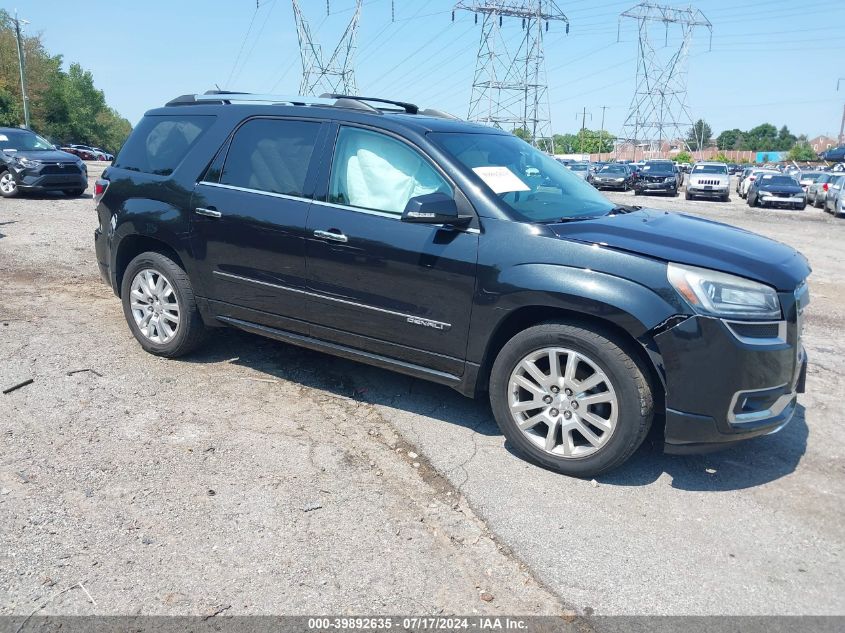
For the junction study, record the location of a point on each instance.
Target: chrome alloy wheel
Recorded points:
(7, 183)
(562, 402)
(154, 305)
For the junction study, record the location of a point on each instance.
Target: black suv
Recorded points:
(31, 163)
(456, 253)
(658, 176)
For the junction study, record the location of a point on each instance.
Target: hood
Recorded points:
(45, 156)
(781, 188)
(675, 237)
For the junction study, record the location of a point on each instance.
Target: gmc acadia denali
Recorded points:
(457, 253)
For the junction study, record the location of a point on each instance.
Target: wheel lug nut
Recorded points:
(567, 414)
(568, 392)
(547, 399)
(574, 404)
(555, 389)
(554, 413)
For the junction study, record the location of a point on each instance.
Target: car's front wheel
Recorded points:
(570, 398)
(159, 305)
(8, 185)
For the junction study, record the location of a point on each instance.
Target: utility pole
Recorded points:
(509, 89)
(659, 110)
(22, 67)
(841, 125)
(601, 132)
(583, 115)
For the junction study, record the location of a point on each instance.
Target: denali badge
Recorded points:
(437, 325)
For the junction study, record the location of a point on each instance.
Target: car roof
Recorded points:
(373, 110)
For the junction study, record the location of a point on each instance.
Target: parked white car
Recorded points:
(709, 180)
(754, 175)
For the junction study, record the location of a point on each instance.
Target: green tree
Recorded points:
(802, 151)
(761, 138)
(730, 139)
(521, 132)
(683, 157)
(785, 139)
(721, 158)
(64, 106)
(699, 135)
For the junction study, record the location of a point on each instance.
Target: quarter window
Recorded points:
(373, 171)
(159, 143)
(271, 155)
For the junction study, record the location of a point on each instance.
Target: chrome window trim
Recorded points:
(382, 214)
(440, 325)
(390, 216)
(272, 194)
(774, 410)
(751, 340)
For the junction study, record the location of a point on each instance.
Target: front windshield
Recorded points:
(23, 140)
(533, 185)
(578, 167)
(613, 169)
(710, 169)
(778, 180)
(659, 168)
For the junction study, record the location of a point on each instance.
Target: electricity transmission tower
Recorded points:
(509, 89)
(320, 74)
(659, 110)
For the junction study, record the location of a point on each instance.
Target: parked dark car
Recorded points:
(613, 176)
(777, 191)
(658, 176)
(31, 163)
(457, 253)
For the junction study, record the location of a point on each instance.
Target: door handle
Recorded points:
(211, 213)
(332, 236)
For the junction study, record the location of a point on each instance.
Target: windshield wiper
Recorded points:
(625, 208)
(572, 218)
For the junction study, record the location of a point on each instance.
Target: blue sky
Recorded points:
(772, 61)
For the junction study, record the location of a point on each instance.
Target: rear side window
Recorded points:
(271, 155)
(159, 143)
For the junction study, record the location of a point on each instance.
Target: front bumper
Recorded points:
(779, 201)
(708, 191)
(656, 187)
(51, 177)
(723, 387)
(609, 184)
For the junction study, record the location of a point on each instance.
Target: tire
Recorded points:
(637, 192)
(8, 186)
(189, 331)
(687, 195)
(621, 378)
(73, 193)
(726, 198)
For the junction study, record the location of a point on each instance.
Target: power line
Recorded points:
(241, 49)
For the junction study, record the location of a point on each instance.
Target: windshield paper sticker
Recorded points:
(3, 137)
(500, 179)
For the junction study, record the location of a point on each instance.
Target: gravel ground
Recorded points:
(255, 477)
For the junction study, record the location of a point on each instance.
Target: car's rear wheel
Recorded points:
(571, 398)
(159, 305)
(8, 186)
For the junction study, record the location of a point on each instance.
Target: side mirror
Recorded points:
(433, 208)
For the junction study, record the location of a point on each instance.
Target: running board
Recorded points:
(418, 371)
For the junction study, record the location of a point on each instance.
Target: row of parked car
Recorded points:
(704, 179)
(795, 189)
(86, 152)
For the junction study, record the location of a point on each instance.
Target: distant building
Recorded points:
(822, 143)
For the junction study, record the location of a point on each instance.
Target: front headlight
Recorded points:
(719, 294)
(28, 163)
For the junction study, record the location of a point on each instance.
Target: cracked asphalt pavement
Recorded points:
(259, 478)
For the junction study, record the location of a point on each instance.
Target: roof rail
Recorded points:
(328, 99)
(410, 108)
(223, 96)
